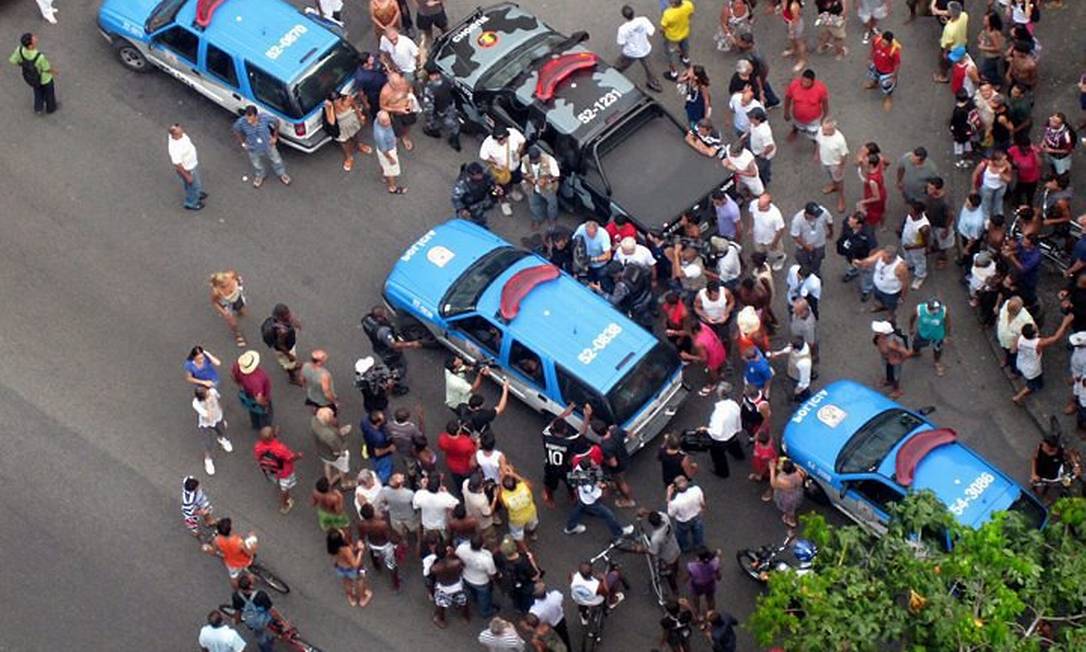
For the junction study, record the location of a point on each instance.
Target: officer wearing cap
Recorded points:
(474, 193)
(811, 227)
(439, 107)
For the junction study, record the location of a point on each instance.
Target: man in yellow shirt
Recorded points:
(675, 24)
(955, 34)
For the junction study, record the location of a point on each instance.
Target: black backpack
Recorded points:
(31, 74)
(269, 332)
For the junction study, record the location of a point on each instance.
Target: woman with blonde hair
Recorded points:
(228, 299)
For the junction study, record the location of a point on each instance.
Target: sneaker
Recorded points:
(671, 75)
(619, 597)
(507, 209)
(627, 531)
(576, 530)
(917, 283)
(777, 266)
(209, 466)
(867, 38)
(226, 445)
(864, 296)
(584, 619)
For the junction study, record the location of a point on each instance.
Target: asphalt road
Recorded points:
(105, 283)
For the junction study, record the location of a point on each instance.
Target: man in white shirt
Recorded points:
(548, 608)
(331, 10)
(803, 284)
(479, 571)
(589, 495)
(833, 154)
(217, 636)
(630, 252)
(723, 429)
(633, 38)
(457, 387)
(740, 161)
(434, 503)
(501, 152)
(741, 104)
(540, 173)
(401, 52)
(685, 507)
(767, 230)
(811, 227)
(800, 364)
(761, 143)
(183, 157)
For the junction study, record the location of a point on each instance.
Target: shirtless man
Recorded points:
(461, 526)
(1022, 67)
(447, 572)
(382, 541)
(329, 503)
(396, 99)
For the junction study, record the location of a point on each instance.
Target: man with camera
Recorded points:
(724, 427)
(588, 476)
(458, 389)
(476, 417)
(686, 508)
(389, 346)
(375, 381)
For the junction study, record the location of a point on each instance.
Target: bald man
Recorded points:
(317, 381)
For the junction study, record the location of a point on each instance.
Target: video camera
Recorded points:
(695, 441)
(377, 379)
(579, 477)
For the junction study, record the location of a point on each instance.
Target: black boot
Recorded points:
(454, 142)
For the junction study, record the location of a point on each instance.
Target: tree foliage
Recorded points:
(1004, 586)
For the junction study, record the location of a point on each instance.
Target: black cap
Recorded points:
(430, 68)
(534, 152)
(499, 131)
(473, 168)
(757, 113)
(812, 208)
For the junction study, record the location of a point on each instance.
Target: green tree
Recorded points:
(1004, 586)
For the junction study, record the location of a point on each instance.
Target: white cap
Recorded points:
(882, 327)
(362, 365)
(1078, 339)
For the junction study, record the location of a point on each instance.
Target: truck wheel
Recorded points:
(131, 57)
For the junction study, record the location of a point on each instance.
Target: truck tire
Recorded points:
(131, 57)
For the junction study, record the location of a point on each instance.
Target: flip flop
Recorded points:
(365, 149)
(398, 190)
(348, 164)
(239, 339)
(408, 144)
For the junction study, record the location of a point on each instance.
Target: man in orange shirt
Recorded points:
(885, 62)
(237, 553)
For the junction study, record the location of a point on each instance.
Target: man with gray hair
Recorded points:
(384, 140)
(183, 157)
(955, 35)
(833, 154)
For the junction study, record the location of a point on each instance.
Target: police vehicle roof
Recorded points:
(249, 29)
(558, 319)
(483, 38)
(829, 419)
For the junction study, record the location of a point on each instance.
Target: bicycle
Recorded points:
(283, 630)
(206, 533)
(638, 543)
(1068, 481)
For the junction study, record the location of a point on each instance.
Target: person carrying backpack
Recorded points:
(276, 460)
(254, 608)
(38, 73)
(280, 334)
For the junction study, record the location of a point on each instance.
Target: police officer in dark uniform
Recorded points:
(632, 291)
(474, 193)
(388, 346)
(439, 107)
(561, 443)
(856, 242)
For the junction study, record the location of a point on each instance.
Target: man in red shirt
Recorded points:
(459, 449)
(806, 102)
(885, 62)
(276, 460)
(619, 228)
(255, 387)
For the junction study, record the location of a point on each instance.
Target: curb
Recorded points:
(1036, 414)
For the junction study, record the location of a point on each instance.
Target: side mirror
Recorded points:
(926, 410)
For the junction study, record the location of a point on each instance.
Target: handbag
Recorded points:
(501, 175)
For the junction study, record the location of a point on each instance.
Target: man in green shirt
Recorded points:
(37, 72)
(930, 324)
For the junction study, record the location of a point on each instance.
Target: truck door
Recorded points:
(867, 499)
(178, 50)
(221, 73)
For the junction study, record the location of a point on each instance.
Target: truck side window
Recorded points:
(181, 42)
(482, 332)
(576, 392)
(269, 90)
(878, 494)
(221, 65)
(525, 361)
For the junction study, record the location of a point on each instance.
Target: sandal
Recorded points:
(408, 144)
(705, 391)
(365, 149)
(239, 339)
(258, 181)
(398, 190)
(348, 164)
(353, 601)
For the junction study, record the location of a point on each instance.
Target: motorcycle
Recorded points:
(796, 555)
(1056, 247)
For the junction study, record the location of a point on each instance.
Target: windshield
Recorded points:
(642, 382)
(504, 71)
(327, 74)
(464, 293)
(163, 14)
(866, 449)
(1030, 510)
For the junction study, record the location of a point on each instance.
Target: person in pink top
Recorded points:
(1027, 162)
(707, 350)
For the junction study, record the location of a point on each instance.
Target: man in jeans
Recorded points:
(479, 571)
(183, 157)
(633, 38)
(588, 502)
(685, 507)
(37, 71)
(258, 135)
(254, 608)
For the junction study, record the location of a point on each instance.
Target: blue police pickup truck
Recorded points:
(555, 340)
(237, 53)
(865, 451)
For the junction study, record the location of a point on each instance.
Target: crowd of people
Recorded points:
(448, 501)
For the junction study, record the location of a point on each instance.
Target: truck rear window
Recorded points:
(465, 291)
(875, 439)
(642, 382)
(328, 73)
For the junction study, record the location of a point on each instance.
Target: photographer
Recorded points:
(375, 381)
(611, 441)
(389, 346)
(631, 291)
(589, 493)
(476, 418)
(457, 387)
(686, 508)
(560, 444)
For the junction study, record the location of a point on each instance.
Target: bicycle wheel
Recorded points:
(265, 575)
(593, 632)
(749, 562)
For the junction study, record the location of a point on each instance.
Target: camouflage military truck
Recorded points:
(620, 152)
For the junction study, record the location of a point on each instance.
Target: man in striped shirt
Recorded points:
(195, 505)
(501, 636)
